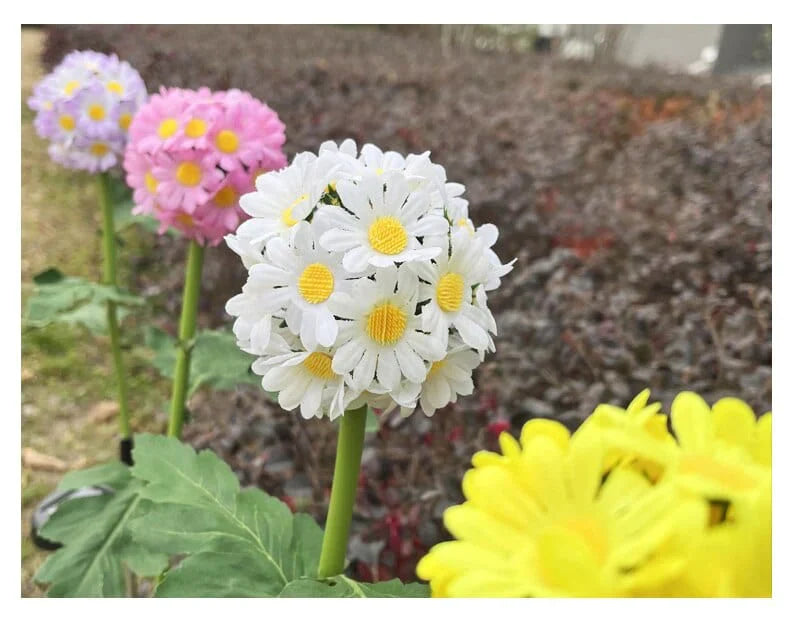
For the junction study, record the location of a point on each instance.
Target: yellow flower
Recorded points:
(723, 453)
(732, 558)
(542, 519)
(641, 418)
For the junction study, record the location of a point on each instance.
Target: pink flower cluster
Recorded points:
(192, 154)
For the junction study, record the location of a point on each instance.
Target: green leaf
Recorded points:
(216, 360)
(239, 542)
(96, 539)
(116, 475)
(344, 587)
(74, 300)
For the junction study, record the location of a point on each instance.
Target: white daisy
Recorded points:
(248, 249)
(380, 162)
(253, 326)
(282, 199)
(382, 339)
(305, 379)
(447, 287)
(487, 235)
(447, 379)
(300, 280)
(383, 225)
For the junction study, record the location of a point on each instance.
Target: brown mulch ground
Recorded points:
(638, 204)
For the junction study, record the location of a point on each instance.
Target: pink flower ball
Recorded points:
(192, 154)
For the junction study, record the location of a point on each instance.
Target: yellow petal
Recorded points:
(762, 450)
(548, 428)
(509, 445)
(639, 402)
(691, 421)
(733, 421)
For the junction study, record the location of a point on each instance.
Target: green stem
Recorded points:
(186, 332)
(110, 279)
(344, 490)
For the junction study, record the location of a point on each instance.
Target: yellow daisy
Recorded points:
(641, 418)
(543, 519)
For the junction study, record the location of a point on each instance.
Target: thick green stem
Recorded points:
(110, 279)
(186, 332)
(344, 491)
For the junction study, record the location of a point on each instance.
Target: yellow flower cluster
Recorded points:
(620, 508)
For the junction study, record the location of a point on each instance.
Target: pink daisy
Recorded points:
(139, 176)
(186, 178)
(156, 125)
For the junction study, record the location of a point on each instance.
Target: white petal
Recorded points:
(339, 240)
(429, 348)
(365, 370)
(411, 365)
(429, 225)
(471, 332)
(326, 328)
(356, 260)
(311, 402)
(347, 356)
(387, 370)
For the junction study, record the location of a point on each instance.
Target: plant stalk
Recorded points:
(344, 490)
(110, 279)
(186, 333)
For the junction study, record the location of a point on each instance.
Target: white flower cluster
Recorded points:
(367, 282)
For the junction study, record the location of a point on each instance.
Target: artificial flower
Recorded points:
(192, 155)
(84, 108)
(349, 252)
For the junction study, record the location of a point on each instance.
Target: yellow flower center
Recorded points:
(124, 121)
(188, 174)
(71, 86)
(150, 182)
(115, 87)
(379, 171)
(185, 219)
(96, 112)
(227, 141)
(387, 236)
(316, 283)
(67, 122)
(436, 366)
(716, 471)
(195, 128)
(319, 364)
(167, 128)
(450, 292)
(99, 149)
(386, 324)
(226, 197)
(592, 533)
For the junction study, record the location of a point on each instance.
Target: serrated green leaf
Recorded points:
(113, 474)
(240, 542)
(95, 536)
(74, 300)
(216, 360)
(344, 587)
(88, 564)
